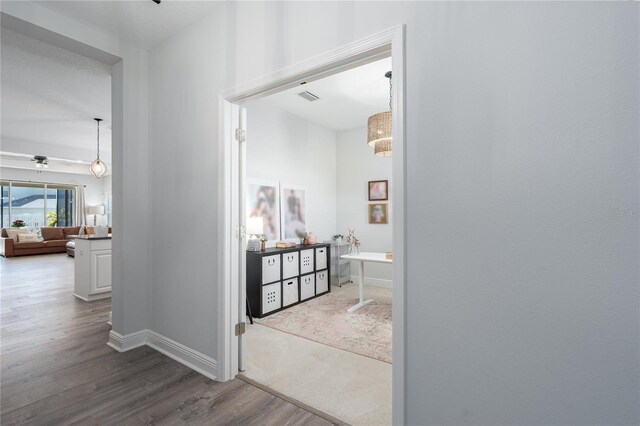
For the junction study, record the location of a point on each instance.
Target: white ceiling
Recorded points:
(346, 99)
(141, 21)
(49, 99)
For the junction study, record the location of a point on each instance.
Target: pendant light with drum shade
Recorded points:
(380, 129)
(98, 168)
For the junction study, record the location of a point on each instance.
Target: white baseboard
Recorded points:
(193, 359)
(375, 282)
(125, 343)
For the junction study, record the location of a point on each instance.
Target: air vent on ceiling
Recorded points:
(308, 96)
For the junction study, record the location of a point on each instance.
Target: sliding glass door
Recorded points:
(37, 204)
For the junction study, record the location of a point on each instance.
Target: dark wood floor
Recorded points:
(57, 368)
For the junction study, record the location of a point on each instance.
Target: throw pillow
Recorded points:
(13, 233)
(52, 233)
(71, 230)
(24, 238)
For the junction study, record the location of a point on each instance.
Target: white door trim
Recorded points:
(391, 41)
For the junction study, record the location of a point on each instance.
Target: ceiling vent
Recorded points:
(308, 96)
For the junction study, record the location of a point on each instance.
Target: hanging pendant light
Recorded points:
(380, 129)
(98, 168)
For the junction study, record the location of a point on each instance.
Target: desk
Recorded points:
(361, 258)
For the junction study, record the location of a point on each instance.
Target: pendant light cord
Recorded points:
(98, 154)
(388, 75)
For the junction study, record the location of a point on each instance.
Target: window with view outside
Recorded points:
(37, 205)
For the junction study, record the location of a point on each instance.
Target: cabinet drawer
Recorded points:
(270, 269)
(290, 265)
(322, 282)
(289, 292)
(307, 287)
(306, 261)
(271, 297)
(321, 258)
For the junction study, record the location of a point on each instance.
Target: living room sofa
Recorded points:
(54, 241)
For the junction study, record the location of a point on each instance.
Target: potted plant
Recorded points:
(18, 223)
(263, 242)
(304, 237)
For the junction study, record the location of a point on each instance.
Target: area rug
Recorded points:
(325, 320)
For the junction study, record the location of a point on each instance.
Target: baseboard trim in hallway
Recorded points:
(193, 359)
(293, 401)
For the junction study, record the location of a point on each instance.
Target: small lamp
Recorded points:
(254, 227)
(95, 210)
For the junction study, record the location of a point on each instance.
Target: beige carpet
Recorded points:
(350, 387)
(325, 320)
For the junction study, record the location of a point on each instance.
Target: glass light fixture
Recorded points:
(380, 129)
(98, 168)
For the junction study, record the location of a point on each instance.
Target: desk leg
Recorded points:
(362, 302)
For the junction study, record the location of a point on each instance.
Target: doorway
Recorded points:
(232, 355)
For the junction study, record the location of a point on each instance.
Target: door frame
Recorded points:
(386, 43)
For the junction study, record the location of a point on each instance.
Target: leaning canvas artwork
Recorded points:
(262, 201)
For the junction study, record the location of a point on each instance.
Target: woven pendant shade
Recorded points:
(383, 148)
(380, 129)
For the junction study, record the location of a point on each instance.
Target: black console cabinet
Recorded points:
(281, 278)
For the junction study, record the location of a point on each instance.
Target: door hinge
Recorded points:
(241, 328)
(241, 232)
(241, 135)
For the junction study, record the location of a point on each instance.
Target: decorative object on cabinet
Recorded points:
(353, 241)
(340, 268)
(380, 128)
(263, 242)
(280, 278)
(338, 237)
(263, 202)
(294, 212)
(378, 190)
(304, 238)
(254, 229)
(312, 238)
(378, 213)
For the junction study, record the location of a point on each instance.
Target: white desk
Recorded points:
(361, 258)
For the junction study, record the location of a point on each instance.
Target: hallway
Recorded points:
(57, 368)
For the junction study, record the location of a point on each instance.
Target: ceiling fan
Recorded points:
(41, 161)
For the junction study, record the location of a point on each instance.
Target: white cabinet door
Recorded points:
(307, 287)
(322, 282)
(321, 258)
(270, 269)
(270, 297)
(100, 271)
(290, 265)
(306, 261)
(289, 292)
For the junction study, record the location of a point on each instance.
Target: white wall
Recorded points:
(286, 148)
(522, 130)
(93, 192)
(356, 166)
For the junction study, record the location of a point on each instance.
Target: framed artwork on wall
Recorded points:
(293, 211)
(379, 213)
(378, 190)
(263, 201)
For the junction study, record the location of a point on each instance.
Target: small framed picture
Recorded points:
(378, 190)
(379, 213)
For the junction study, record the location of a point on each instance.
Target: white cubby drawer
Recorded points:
(271, 297)
(290, 265)
(322, 282)
(321, 258)
(289, 292)
(307, 286)
(306, 261)
(270, 269)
